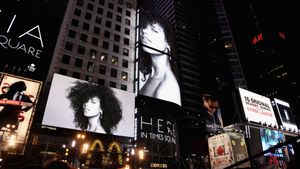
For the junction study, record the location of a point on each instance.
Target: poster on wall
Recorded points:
(285, 114)
(18, 99)
(89, 107)
(157, 59)
(257, 108)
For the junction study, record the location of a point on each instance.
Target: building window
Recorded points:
(124, 76)
(78, 63)
(72, 33)
(62, 71)
(116, 48)
(119, 9)
(109, 14)
(110, 6)
(125, 52)
(101, 82)
(123, 87)
(74, 22)
(112, 84)
(108, 24)
(113, 72)
(95, 41)
(83, 37)
(69, 46)
(76, 75)
(119, 18)
(127, 31)
(101, 2)
(120, 2)
(86, 26)
(80, 2)
(88, 16)
(77, 12)
(115, 60)
(128, 5)
(93, 53)
(107, 34)
(105, 45)
(99, 10)
(98, 20)
(90, 6)
(96, 30)
(128, 13)
(81, 49)
(65, 59)
(127, 22)
(125, 63)
(117, 27)
(103, 57)
(91, 66)
(126, 41)
(102, 69)
(117, 38)
(89, 78)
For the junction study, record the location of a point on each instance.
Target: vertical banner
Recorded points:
(157, 59)
(157, 130)
(18, 98)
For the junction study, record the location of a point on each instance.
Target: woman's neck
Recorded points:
(160, 65)
(94, 123)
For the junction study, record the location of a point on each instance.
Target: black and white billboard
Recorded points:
(157, 59)
(80, 105)
(285, 114)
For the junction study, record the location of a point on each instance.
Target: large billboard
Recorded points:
(287, 119)
(157, 130)
(18, 98)
(81, 105)
(156, 59)
(257, 108)
(28, 35)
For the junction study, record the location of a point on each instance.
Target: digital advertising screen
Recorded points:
(157, 129)
(257, 108)
(285, 114)
(18, 98)
(156, 59)
(80, 105)
(28, 34)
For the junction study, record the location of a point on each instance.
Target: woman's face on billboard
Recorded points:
(153, 35)
(92, 107)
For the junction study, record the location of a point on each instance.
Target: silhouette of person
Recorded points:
(96, 108)
(156, 59)
(14, 102)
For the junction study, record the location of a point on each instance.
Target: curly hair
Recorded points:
(147, 18)
(81, 92)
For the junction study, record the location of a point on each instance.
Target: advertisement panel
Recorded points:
(285, 114)
(157, 59)
(80, 105)
(220, 151)
(18, 98)
(157, 130)
(257, 108)
(28, 35)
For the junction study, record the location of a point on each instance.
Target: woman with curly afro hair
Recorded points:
(96, 108)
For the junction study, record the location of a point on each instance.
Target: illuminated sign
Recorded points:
(74, 112)
(158, 165)
(285, 114)
(257, 108)
(18, 98)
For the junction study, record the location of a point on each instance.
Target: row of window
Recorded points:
(102, 2)
(90, 78)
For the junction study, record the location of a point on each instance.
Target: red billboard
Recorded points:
(18, 98)
(81, 105)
